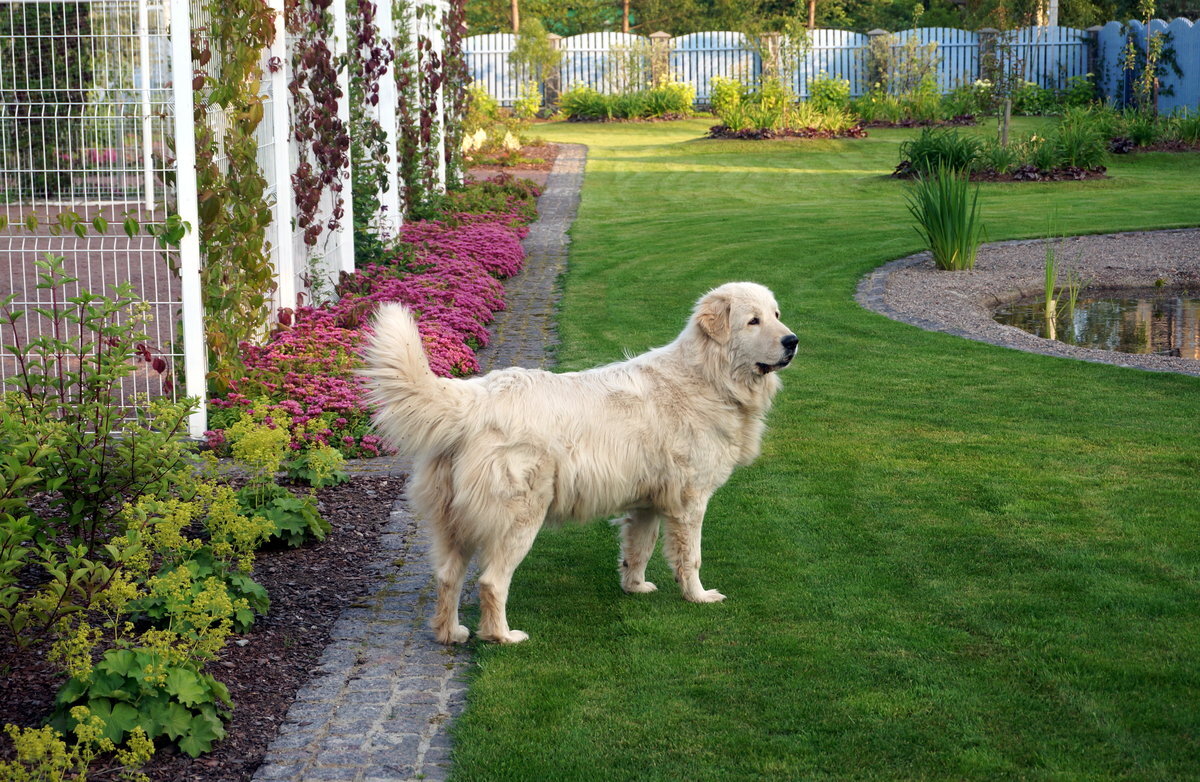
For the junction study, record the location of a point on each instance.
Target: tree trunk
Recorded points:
(812, 14)
(516, 15)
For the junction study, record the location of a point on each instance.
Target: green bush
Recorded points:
(936, 148)
(827, 94)
(725, 96)
(584, 103)
(947, 216)
(1186, 126)
(1077, 142)
(142, 688)
(670, 99)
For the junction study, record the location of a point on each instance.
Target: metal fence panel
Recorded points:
(87, 128)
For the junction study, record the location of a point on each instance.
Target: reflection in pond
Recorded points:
(1165, 323)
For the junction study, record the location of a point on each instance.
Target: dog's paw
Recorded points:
(513, 637)
(454, 635)
(640, 588)
(707, 596)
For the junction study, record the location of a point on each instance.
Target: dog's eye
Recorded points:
(754, 321)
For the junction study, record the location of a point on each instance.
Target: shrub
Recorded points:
(670, 99)
(725, 96)
(529, 100)
(827, 94)
(584, 103)
(1077, 142)
(878, 106)
(947, 217)
(1186, 126)
(936, 148)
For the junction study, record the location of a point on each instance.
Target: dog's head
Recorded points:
(743, 319)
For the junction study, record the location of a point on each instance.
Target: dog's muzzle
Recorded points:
(789, 352)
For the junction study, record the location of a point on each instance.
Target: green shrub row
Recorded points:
(146, 555)
(672, 99)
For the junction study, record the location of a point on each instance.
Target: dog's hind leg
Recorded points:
(500, 561)
(681, 544)
(451, 562)
(639, 533)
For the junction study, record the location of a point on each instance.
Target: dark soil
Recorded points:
(961, 120)
(309, 587)
(1125, 146)
(1021, 174)
(725, 132)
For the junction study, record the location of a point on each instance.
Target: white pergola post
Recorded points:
(195, 349)
(285, 245)
(345, 244)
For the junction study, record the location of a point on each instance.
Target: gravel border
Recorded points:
(911, 290)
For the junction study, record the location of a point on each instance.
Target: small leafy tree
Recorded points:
(533, 56)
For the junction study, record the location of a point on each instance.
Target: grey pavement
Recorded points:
(381, 702)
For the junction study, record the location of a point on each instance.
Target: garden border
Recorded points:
(383, 696)
(911, 290)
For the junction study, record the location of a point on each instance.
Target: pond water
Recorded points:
(1154, 321)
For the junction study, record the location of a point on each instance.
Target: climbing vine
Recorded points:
(237, 278)
(323, 139)
(368, 63)
(457, 79)
(408, 101)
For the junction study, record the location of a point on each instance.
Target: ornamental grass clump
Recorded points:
(947, 215)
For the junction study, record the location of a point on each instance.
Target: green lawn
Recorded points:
(951, 561)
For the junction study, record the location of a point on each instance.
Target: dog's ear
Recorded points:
(712, 316)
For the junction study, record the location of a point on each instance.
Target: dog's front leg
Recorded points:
(639, 533)
(681, 544)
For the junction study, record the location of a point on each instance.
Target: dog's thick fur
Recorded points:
(497, 456)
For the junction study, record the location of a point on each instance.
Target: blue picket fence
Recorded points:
(1049, 56)
(1179, 84)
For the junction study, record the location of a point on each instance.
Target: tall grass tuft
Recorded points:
(938, 148)
(947, 215)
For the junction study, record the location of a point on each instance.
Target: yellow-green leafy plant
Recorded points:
(43, 753)
(260, 443)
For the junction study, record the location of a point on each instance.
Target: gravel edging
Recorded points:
(911, 290)
(380, 706)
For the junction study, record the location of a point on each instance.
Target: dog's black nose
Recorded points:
(790, 341)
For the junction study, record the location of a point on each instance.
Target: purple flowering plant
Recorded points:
(448, 271)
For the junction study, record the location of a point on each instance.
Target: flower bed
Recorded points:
(447, 270)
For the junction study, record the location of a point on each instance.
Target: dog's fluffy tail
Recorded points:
(417, 411)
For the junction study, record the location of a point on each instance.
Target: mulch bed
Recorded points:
(962, 120)
(536, 172)
(1125, 146)
(308, 586)
(758, 134)
(1021, 174)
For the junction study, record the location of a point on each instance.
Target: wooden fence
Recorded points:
(1047, 56)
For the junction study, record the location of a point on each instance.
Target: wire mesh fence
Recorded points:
(86, 118)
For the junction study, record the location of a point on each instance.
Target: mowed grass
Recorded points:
(952, 561)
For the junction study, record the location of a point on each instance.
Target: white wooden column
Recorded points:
(345, 244)
(195, 349)
(281, 137)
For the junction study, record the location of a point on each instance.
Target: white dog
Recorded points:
(497, 456)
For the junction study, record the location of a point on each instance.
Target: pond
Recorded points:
(1148, 321)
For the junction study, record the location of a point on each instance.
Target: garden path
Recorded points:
(379, 707)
